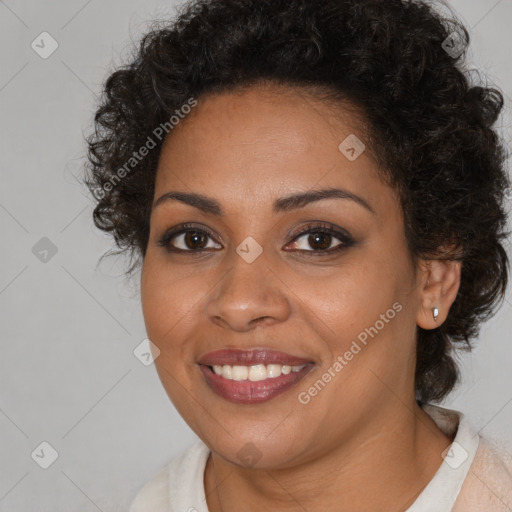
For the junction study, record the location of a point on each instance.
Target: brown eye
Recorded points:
(185, 239)
(320, 239)
(195, 239)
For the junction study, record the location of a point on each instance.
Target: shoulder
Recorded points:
(180, 480)
(154, 494)
(476, 473)
(488, 484)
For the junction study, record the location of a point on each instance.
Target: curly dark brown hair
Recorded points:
(430, 129)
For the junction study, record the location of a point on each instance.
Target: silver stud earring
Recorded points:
(435, 313)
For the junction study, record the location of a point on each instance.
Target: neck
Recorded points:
(380, 469)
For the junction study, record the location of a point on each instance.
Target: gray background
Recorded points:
(68, 329)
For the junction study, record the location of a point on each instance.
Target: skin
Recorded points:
(360, 444)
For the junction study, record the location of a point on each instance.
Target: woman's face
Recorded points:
(260, 284)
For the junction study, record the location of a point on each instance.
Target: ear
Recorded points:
(440, 281)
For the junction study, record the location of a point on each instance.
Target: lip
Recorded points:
(250, 357)
(249, 392)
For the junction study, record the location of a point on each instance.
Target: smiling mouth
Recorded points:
(253, 384)
(254, 373)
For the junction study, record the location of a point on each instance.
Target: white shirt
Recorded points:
(473, 477)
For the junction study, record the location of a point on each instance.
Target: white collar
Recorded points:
(444, 488)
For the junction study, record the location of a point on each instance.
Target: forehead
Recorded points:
(268, 116)
(266, 142)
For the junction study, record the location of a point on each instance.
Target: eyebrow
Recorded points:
(211, 206)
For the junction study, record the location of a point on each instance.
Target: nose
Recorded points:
(248, 295)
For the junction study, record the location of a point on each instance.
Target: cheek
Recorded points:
(365, 311)
(353, 299)
(168, 302)
(167, 298)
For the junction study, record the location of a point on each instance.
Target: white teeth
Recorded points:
(273, 370)
(227, 371)
(240, 372)
(256, 372)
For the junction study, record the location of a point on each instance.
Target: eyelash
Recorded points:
(345, 238)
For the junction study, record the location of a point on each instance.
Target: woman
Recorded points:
(315, 194)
